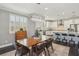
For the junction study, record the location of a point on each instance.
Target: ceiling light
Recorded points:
(46, 8)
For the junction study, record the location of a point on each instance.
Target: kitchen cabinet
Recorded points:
(67, 24)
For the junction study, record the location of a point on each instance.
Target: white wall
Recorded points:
(5, 36)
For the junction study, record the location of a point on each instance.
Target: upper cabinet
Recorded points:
(51, 25)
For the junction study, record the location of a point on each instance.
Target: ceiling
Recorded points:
(54, 11)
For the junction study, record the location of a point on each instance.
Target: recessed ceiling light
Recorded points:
(46, 8)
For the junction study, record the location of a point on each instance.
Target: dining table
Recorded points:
(29, 42)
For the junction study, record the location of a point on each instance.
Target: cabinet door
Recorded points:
(67, 24)
(78, 28)
(52, 25)
(76, 21)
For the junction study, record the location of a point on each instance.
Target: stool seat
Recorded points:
(71, 43)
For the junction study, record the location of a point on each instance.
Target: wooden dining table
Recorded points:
(29, 42)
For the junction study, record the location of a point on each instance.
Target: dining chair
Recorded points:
(21, 50)
(38, 49)
(48, 44)
(18, 49)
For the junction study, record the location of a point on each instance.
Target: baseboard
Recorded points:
(2, 46)
(6, 48)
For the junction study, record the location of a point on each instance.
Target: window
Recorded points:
(17, 22)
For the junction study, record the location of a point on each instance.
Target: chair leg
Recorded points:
(52, 48)
(48, 52)
(15, 53)
(45, 52)
(29, 53)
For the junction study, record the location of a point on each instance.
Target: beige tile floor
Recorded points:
(59, 50)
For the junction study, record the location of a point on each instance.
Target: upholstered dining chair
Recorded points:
(47, 45)
(20, 35)
(21, 50)
(38, 49)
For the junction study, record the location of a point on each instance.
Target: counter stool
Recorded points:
(78, 41)
(64, 40)
(71, 42)
(78, 44)
(57, 38)
(78, 48)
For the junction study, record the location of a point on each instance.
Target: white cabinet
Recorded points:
(39, 25)
(76, 21)
(52, 25)
(67, 24)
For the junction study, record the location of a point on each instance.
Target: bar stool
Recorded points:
(78, 41)
(78, 44)
(57, 38)
(78, 47)
(71, 42)
(64, 40)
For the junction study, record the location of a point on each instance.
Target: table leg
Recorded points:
(31, 52)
